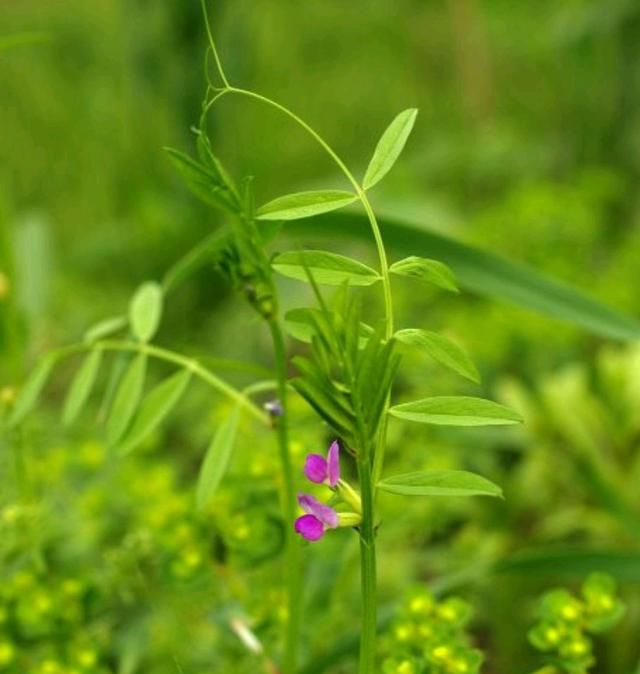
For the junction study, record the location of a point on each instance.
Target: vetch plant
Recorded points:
(346, 376)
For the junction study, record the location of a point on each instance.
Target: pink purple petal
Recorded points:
(315, 468)
(309, 527)
(325, 514)
(333, 463)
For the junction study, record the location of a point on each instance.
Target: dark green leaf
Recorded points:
(389, 147)
(325, 268)
(305, 204)
(81, 386)
(456, 411)
(216, 461)
(126, 399)
(482, 272)
(155, 407)
(424, 269)
(145, 311)
(440, 348)
(30, 392)
(440, 483)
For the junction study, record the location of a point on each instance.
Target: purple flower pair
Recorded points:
(319, 517)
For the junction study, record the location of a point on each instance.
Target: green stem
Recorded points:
(367, 570)
(292, 549)
(177, 359)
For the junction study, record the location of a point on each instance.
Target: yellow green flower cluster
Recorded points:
(429, 637)
(44, 625)
(565, 622)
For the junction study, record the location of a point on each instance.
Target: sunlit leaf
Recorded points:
(105, 328)
(126, 399)
(81, 386)
(155, 407)
(389, 147)
(145, 311)
(325, 268)
(456, 411)
(440, 483)
(216, 461)
(427, 270)
(305, 204)
(441, 349)
(30, 392)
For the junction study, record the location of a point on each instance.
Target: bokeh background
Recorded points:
(527, 144)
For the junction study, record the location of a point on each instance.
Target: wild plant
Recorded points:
(346, 376)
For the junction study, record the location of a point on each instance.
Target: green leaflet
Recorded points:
(325, 268)
(30, 392)
(301, 324)
(305, 204)
(389, 147)
(126, 399)
(427, 270)
(216, 461)
(81, 386)
(105, 328)
(441, 349)
(456, 411)
(155, 407)
(481, 272)
(145, 311)
(440, 483)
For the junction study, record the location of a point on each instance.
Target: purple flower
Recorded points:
(318, 518)
(321, 470)
(274, 408)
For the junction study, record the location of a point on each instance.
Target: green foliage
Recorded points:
(430, 637)
(389, 147)
(81, 386)
(145, 311)
(216, 460)
(565, 621)
(127, 398)
(440, 483)
(430, 271)
(325, 268)
(441, 349)
(305, 205)
(456, 411)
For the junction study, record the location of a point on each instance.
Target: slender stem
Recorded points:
(292, 550)
(212, 44)
(368, 579)
(177, 359)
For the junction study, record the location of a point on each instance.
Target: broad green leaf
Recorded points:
(30, 392)
(216, 461)
(81, 386)
(427, 270)
(145, 311)
(573, 562)
(456, 411)
(389, 147)
(325, 268)
(440, 348)
(440, 483)
(305, 204)
(126, 399)
(481, 272)
(155, 407)
(105, 328)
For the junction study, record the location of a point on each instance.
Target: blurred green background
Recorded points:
(527, 143)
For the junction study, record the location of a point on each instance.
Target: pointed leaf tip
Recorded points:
(389, 147)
